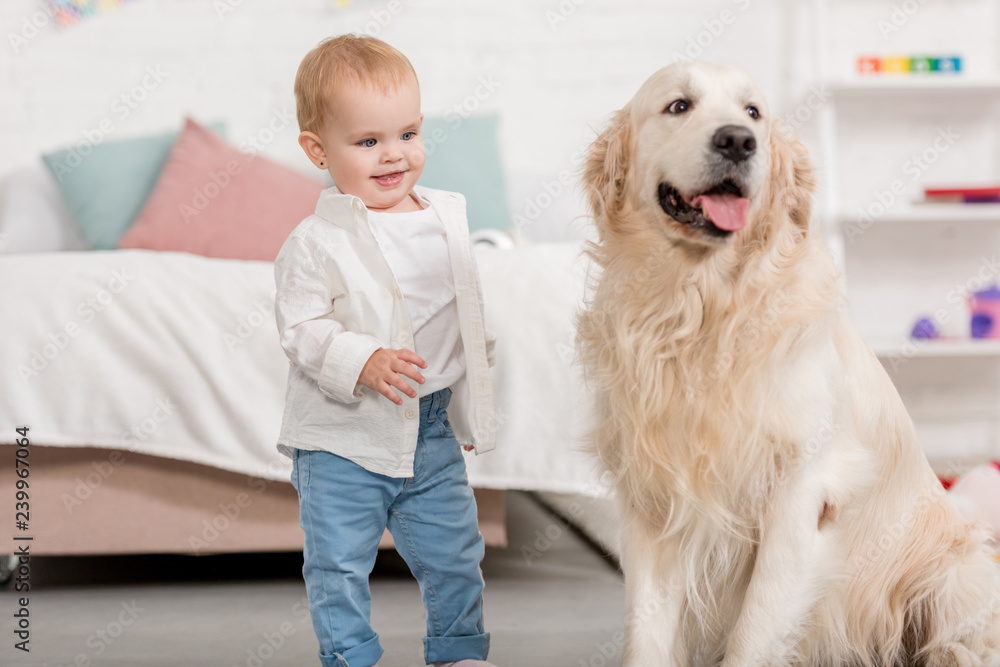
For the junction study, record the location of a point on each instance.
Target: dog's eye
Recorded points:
(677, 106)
(753, 112)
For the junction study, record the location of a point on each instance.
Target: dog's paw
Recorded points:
(959, 655)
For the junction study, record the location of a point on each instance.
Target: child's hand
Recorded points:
(383, 369)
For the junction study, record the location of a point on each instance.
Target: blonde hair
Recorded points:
(358, 58)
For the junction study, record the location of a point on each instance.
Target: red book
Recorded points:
(976, 193)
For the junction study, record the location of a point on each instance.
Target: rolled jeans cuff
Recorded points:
(362, 655)
(453, 649)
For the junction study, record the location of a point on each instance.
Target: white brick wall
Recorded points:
(558, 82)
(562, 66)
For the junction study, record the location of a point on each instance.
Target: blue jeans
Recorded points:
(343, 510)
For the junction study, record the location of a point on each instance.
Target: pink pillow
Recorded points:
(211, 199)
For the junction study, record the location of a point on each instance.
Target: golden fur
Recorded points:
(777, 507)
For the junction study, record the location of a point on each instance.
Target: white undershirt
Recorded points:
(416, 249)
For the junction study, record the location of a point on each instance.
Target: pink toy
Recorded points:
(985, 308)
(976, 494)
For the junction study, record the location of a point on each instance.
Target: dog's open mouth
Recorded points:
(719, 211)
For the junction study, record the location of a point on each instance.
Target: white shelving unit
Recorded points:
(951, 386)
(908, 348)
(886, 85)
(936, 214)
(889, 90)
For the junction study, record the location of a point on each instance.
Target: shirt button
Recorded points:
(411, 413)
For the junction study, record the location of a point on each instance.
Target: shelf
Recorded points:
(905, 347)
(889, 85)
(933, 213)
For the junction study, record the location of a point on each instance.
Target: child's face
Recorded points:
(373, 144)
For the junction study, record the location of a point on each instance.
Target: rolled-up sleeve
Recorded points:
(306, 288)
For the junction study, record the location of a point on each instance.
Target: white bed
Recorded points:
(176, 355)
(170, 355)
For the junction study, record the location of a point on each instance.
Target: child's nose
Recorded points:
(392, 153)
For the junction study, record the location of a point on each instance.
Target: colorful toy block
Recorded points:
(70, 12)
(869, 65)
(948, 65)
(909, 65)
(921, 65)
(897, 65)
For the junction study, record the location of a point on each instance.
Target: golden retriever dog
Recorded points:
(777, 508)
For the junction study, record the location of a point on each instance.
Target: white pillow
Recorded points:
(33, 216)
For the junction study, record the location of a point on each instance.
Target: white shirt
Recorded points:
(337, 302)
(415, 246)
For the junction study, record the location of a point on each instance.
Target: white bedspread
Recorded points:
(177, 355)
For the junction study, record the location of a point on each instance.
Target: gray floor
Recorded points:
(551, 600)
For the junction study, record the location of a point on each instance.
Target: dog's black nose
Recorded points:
(735, 142)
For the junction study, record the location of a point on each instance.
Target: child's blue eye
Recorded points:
(408, 135)
(367, 143)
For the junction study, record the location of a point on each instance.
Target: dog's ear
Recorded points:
(792, 174)
(605, 166)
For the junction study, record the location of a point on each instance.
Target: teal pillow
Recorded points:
(463, 156)
(105, 184)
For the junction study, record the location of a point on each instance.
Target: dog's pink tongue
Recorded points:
(726, 211)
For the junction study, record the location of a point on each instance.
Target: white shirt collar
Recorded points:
(342, 209)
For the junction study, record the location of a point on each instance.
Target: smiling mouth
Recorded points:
(716, 213)
(389, 180)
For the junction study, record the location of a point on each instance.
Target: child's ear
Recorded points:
(313, 147)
